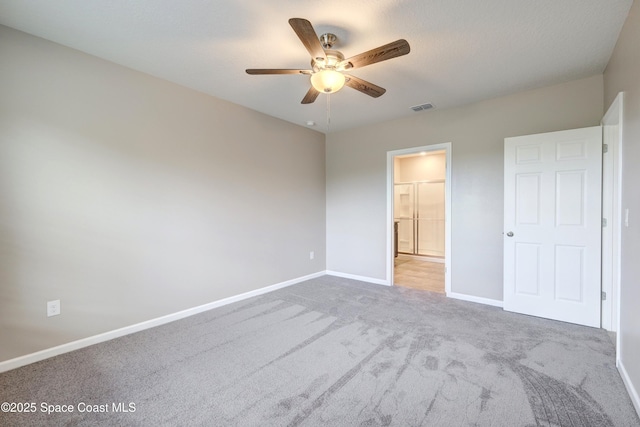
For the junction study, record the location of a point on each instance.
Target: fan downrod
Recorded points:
(328, 40)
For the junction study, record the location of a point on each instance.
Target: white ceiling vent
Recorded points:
(422, 107)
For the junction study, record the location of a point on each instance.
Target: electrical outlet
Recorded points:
(312, 255)
(53, 308)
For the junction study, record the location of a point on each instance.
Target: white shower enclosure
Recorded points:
(419, 209)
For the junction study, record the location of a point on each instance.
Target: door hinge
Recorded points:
(604, 222)
(604, 296)
(605, 148)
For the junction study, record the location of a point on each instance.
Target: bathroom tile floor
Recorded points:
(412, 272)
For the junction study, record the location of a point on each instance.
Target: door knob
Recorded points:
(510, 234)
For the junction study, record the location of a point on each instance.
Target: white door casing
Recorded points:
(612, 125)
(552, 225)
(447, 217)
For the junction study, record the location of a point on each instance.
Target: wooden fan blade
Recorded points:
(364, 86)
(382, 53)
(311, 96)
(308, 37)
(255, 71)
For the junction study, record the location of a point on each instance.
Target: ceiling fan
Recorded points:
(328, 66)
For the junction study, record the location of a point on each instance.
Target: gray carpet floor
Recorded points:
(335, 352)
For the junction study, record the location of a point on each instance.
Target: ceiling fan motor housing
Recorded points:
(334, 58)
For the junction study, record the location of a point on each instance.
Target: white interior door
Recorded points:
(552, 225)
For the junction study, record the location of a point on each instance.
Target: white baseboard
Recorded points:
(425, 258)
(633, 393)
(356, 277)
(471, 298)
(480, 300)
(85, 342)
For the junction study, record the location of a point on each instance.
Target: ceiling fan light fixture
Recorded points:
(327, 65)
(327, 81)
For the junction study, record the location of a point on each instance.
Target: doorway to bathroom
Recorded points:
(419, 209)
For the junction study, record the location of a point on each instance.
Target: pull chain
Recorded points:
(328, 111)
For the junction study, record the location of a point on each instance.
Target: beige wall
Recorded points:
(128, 197)
(623, 74)
(420, 168)
(356, 178)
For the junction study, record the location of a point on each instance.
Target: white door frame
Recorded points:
(446, 147)
(612, 127)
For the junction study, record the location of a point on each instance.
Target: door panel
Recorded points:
(528, 199)
(570, 198)
(552, 219)
(570, 265)
(527, 269)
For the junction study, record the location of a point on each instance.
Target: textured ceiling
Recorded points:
(462, 51)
